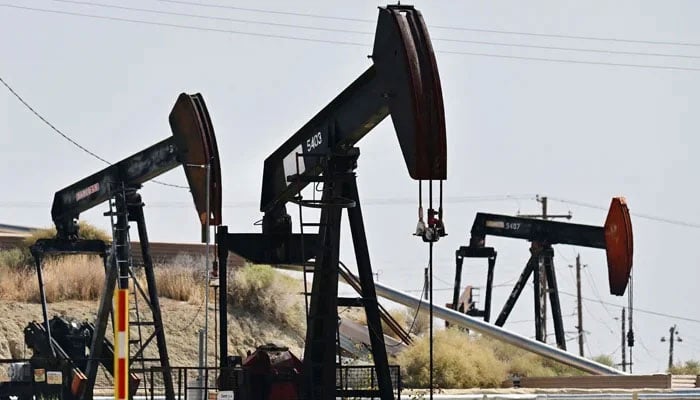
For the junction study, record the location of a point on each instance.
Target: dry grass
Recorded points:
(65, 278)
(690, 367)
(182, 279)
(255, 289)
(259, 289)
(179, 283)
(417, 322)
(86, 231)
(21, 258)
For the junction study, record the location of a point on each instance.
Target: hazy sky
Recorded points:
(576, 130)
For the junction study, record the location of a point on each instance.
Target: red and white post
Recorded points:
(121, 344)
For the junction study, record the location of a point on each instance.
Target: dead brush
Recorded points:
(78, 277)
(179, 282)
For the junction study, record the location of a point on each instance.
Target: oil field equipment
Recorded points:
(192, 146)
(402, 82)
(615, 237)
(271, 373)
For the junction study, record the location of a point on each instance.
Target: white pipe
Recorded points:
(496, 332)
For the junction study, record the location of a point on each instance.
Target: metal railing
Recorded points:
(360, 381)
(194, 383)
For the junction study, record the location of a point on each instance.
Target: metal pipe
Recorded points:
(206, 267)
(496, 332)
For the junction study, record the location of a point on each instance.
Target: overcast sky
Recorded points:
(582, 129)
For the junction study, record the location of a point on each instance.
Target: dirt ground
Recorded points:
(182, 322)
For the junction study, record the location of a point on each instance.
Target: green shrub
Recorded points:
(604, 359)
(463, 360)
(459, 362)
(691, 367)
(524, 363)
(17, 258)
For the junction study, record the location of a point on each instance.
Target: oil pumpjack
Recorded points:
(192, 146)
(615, 237)
(402, 82)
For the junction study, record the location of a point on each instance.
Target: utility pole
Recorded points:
(630, 306)
(673, 337)
(579, 308)
(624, 343)
(543, 280)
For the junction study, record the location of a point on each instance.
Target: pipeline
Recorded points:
(496, 332)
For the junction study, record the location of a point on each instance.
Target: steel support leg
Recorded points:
(369, 295)
(136, 210)
(42, 296)
(517, 289)
(536, 291)
(554, 297)
(223, 303)
(322, 321)
(489, 288)
(459, 260)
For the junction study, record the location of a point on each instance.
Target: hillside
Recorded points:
(182, 322)
(265, 306)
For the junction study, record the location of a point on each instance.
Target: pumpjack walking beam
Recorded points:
(193, 145)
(402, 82)
(615, 237)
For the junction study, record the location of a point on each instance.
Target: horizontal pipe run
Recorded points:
(496, 332)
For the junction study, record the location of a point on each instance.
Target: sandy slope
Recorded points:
(182, 323)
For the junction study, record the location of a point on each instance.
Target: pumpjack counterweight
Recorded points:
(192, 146)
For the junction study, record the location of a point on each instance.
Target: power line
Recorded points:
(639, 215)
(569, 61)
(454, 28)
(190, 27)
(259, 10)
(636, 309)
(350, 43)
(78, 145)
(44, 120)
(215, 18)
(561, 36)
(595, 317)
(591, 283)
(530, 46)
(316, 28)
